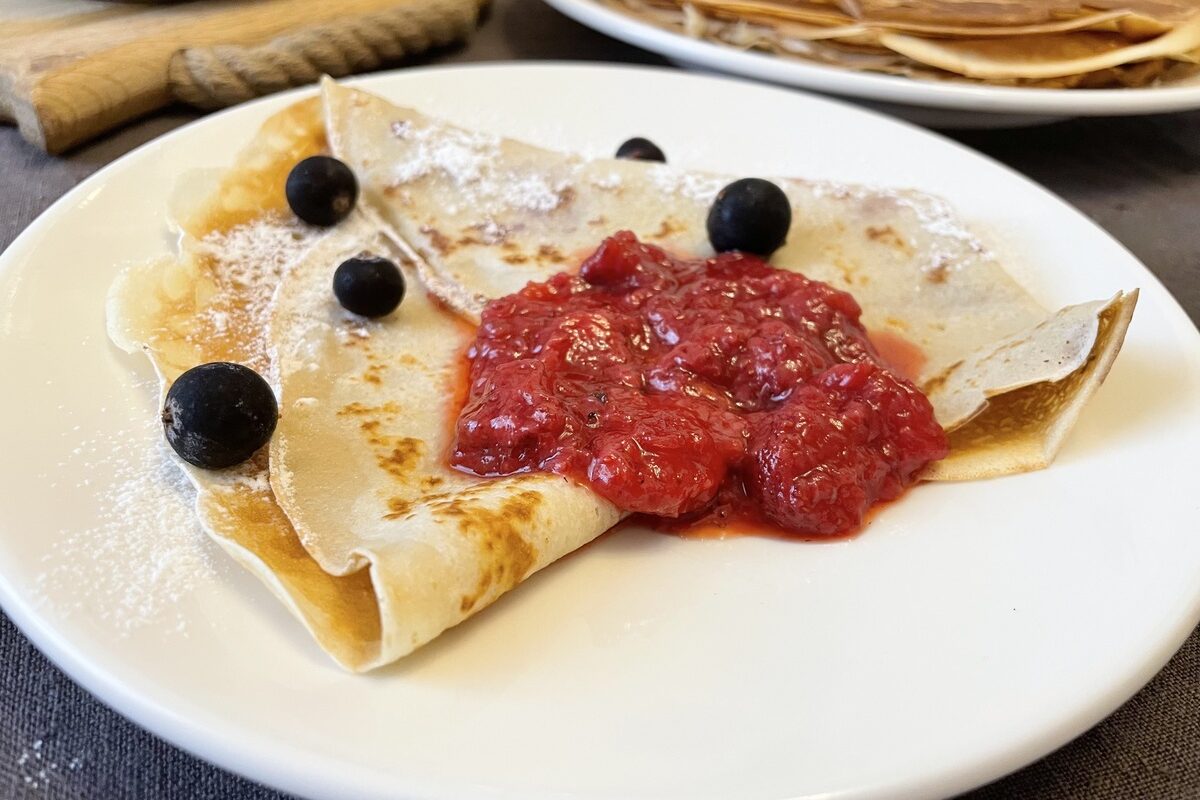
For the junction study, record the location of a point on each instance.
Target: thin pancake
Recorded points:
(1048, 56)
(381, 546)
(411, 548)
(963, 15)
(484, 215)
(201, 307)
(358, 459)
(1060, 45)
(1021, 428)
(923, 19)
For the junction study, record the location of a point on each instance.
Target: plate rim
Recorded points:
(975, 98)
(275, 764)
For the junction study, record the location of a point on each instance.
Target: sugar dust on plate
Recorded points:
(144, 552)
(36, 766)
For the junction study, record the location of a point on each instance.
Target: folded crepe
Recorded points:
(352, 516)
(483, 215)
(387, 546)
(1052, 43)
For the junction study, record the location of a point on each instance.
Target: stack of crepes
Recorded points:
(1044, 43)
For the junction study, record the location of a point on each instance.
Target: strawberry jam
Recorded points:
(711, 390)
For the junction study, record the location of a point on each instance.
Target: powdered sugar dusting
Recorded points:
(948, 236)
(492, 232)
(533, 193)
(694, 186)
(250, 262)
(609, 182)
(938, 218)
(835, 191)
(934, 214)
(469, 159)
(461, 154)
(38, 766)
(146, 551)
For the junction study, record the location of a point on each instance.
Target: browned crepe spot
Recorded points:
(847, 270)
(669, 227)
(507, 556)
(939, 272)
(372, 374)
(548, 252)
(396, 455)
(361, 409)
(397, 193)
(469, 600)
(440, 241)
(403, 457)
(401, 506)
(887, 235)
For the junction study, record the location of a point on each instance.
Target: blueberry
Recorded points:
(641, 150)
(216, 415)
(751, 215)
(321, 190)
(368, 285)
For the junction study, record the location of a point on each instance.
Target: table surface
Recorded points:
(1138, 177)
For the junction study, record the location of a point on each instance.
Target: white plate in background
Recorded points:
(934, 103)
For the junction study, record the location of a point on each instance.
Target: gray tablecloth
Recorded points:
(1139, 178)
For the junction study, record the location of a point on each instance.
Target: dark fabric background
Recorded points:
(1138, 177)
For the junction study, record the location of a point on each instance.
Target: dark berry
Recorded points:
(641, 150)
(752, 215)
(321, 190)
(368, 285)
(216, 415)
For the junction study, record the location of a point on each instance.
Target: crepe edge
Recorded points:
(466, 304)
(135, 321)
(987, 447)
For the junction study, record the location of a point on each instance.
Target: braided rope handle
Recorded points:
(224, 75)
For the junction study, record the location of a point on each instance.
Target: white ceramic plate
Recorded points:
(971, 629)
(959, 104)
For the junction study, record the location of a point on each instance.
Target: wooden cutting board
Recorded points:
(71, 69)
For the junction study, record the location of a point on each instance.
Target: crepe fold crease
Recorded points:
(352, 516)
(484, 215)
